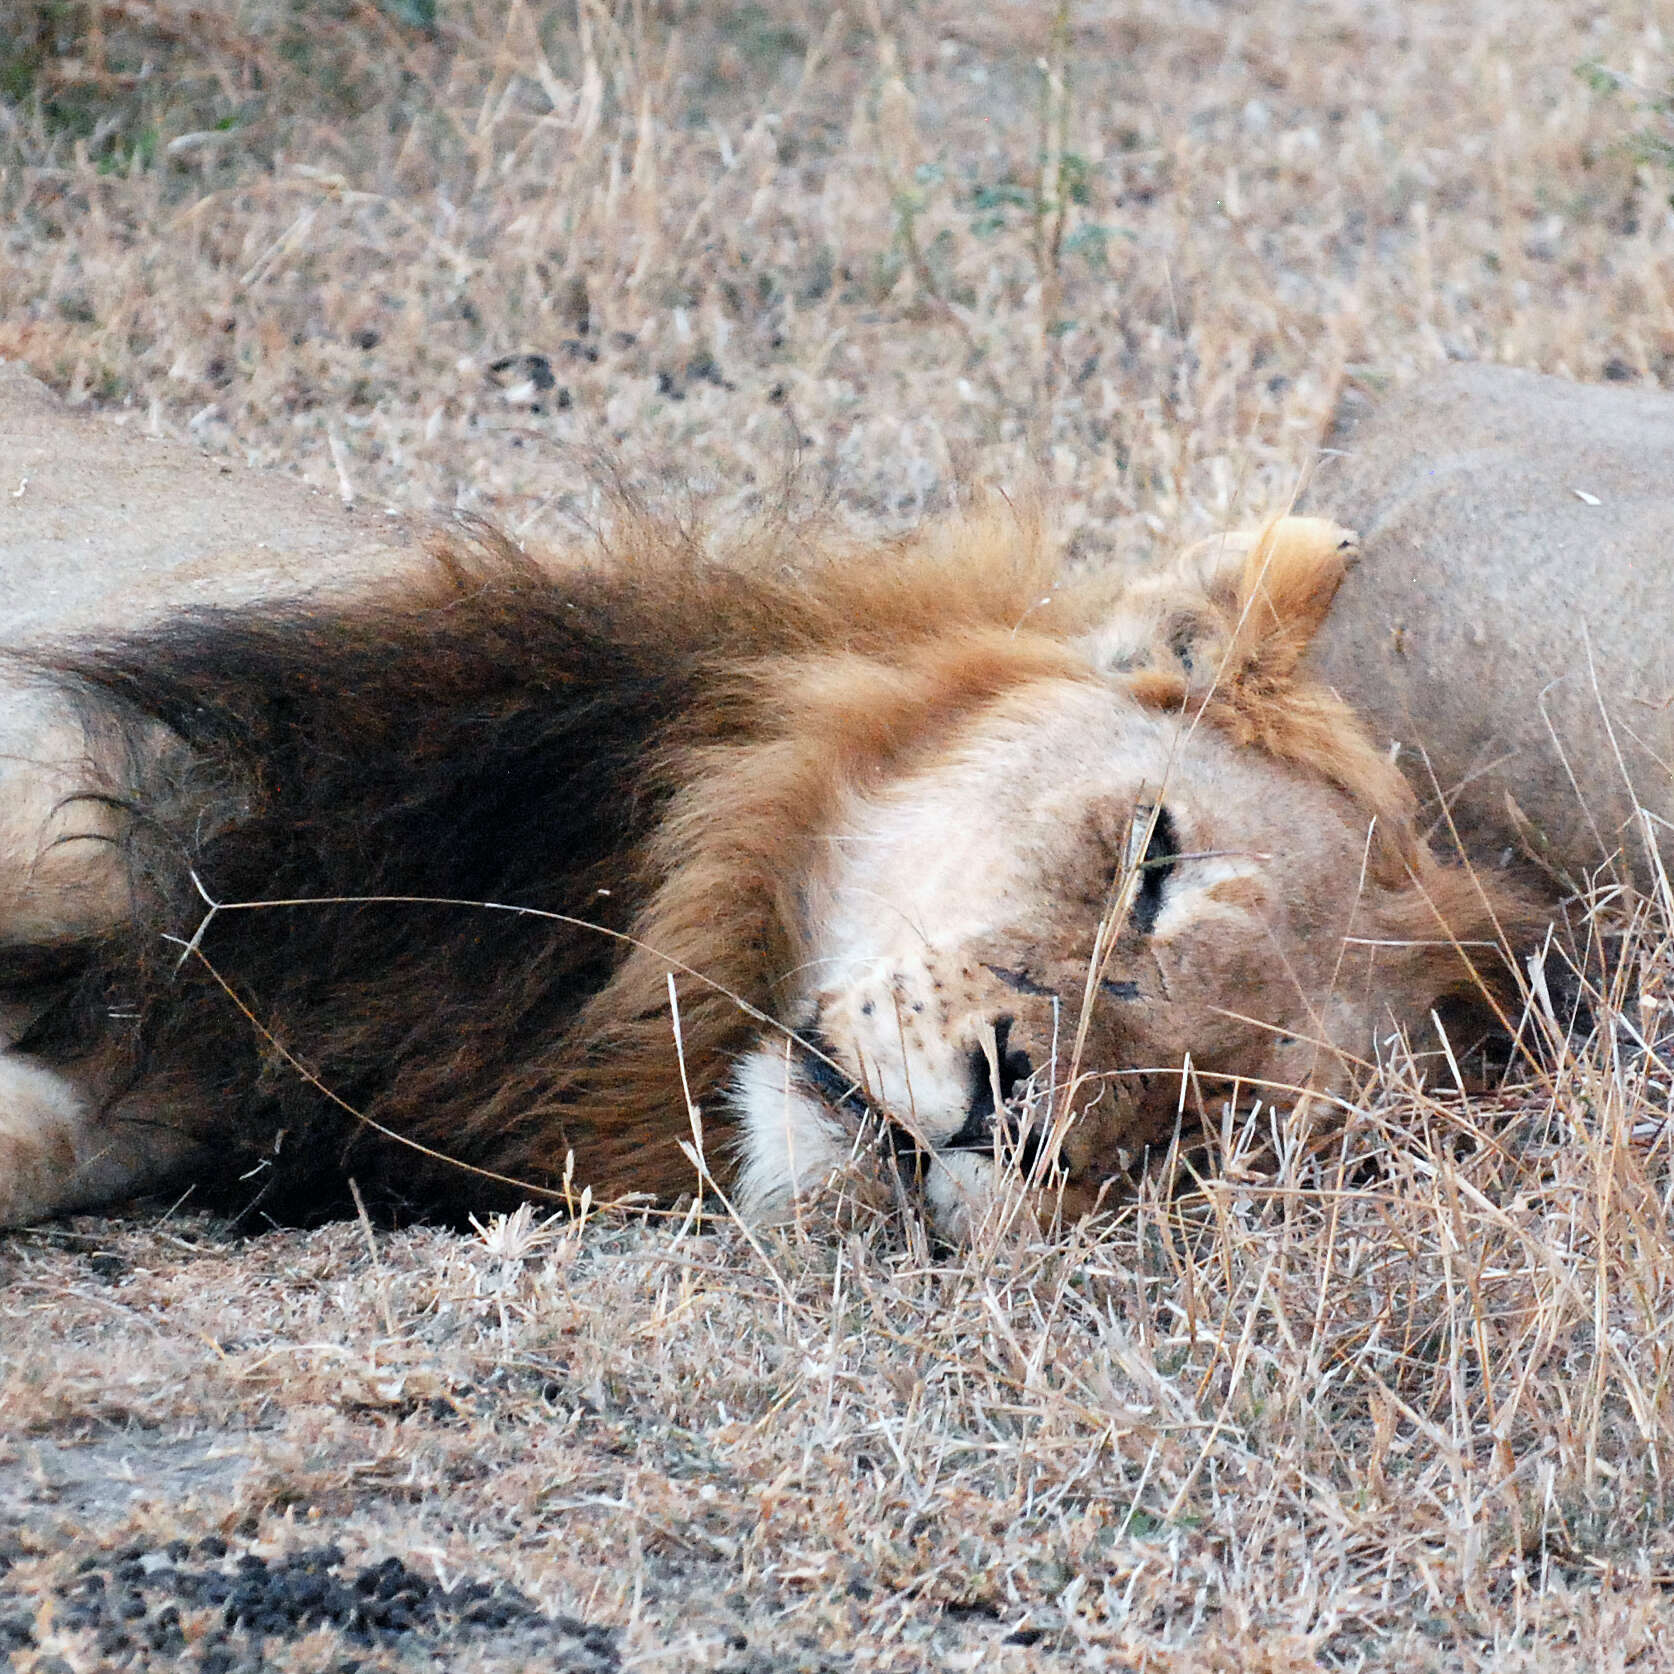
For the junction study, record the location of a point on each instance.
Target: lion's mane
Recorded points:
(645, 744)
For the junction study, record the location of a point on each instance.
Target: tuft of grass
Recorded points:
(1653, 140)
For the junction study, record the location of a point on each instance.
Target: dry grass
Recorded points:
(1404, 1399)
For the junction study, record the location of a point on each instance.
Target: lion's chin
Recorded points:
(802, 1137)
(964, 1191)
(791, 1138)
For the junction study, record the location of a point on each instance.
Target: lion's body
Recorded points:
(102, 525)
(1508, 622)
(923, 850)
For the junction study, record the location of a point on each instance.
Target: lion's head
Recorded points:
(1150, 864)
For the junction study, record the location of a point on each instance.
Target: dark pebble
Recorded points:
(309, 1588)
(260, 1599)
(17, 1633)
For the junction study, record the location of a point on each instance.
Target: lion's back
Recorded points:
(1508, 622)
(103, 523)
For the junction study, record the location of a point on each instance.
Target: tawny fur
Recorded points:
(1507, 626)
(657, 748)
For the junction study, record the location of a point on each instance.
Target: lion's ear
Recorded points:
(1227, 606)
(1284, 586)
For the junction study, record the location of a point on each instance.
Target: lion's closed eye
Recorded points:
(1154, 829)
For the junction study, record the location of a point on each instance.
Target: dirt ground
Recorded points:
(1395, 1401)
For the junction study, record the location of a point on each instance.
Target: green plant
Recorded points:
(1653, 140)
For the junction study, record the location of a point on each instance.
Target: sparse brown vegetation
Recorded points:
(1402, 1397)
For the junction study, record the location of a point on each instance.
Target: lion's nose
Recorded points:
(1010, 1068)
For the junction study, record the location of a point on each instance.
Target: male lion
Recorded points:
(508, 876)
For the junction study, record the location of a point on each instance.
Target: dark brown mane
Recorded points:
(644, 743)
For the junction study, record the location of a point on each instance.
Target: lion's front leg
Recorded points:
(62, 876)
(45, 1141)
(61, 1150)
(50, 1157)
(62, 881)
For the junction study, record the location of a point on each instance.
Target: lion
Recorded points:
(1506, 624)
(481, 875)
